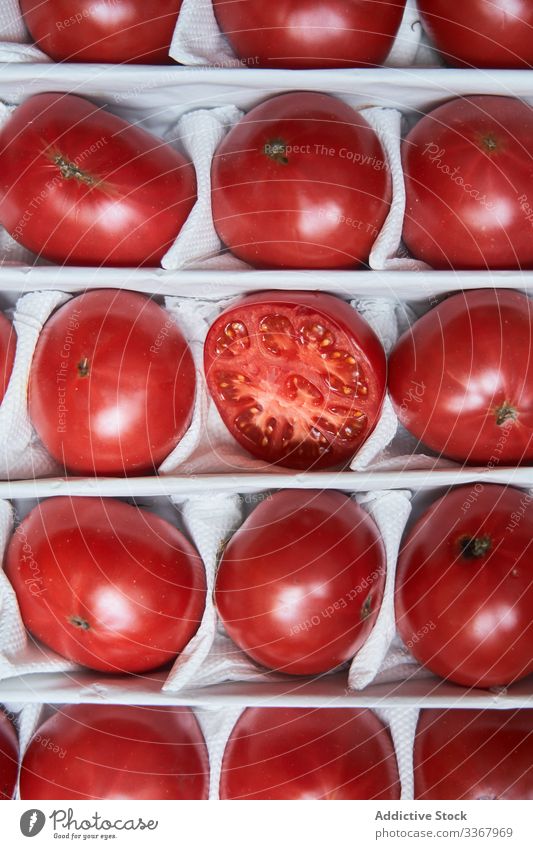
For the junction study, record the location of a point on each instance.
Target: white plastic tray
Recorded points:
(142, 94)
(328, 690)
(322, 692)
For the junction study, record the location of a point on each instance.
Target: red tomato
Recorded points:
(481, 33)
(103, 30)
(80, 186)
(300, 182)
(464, 586)
(117, 752)
(300, 584)
(461, 379)
(469, 181)
(9, 758)
(298, 378)
(310, 33)
(112, 384)
(474, 754)
(297, 753)
(8, 346)
(105, 584)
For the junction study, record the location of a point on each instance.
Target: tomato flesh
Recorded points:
(297, 378)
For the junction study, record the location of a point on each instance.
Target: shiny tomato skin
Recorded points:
(309, 753)
(120, 365)
(81, 186)
(468, 169)
(102, 31)
(481, 33)
(461, 379)
(107, 585)
(97, 751)
(8, 346)
(464, 588)
(300, 584)
(284, 192)
(317, 407)
(474, 754)
(310, 33)
(9, 758)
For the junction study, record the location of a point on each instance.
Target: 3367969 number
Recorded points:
(489, 831)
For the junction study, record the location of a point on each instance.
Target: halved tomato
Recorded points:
(298, 378)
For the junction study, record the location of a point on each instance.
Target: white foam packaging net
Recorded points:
(199, 41)
(222, 660)
(15, 42)
(26, 719)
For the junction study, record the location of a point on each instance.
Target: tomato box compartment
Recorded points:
(146, 95)
(196, 38)
(49, 732)
(209, 656)
(415, 751)
(199, 37)
(173, 534)
(208, 448)
(157, 98)
(213, 671)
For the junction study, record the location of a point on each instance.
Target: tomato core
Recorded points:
(277, 151)
(473, 548)
(83, 367)
(79, 622)
(367, 607)
(490, 143)
(70, 171)
(505, 413)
